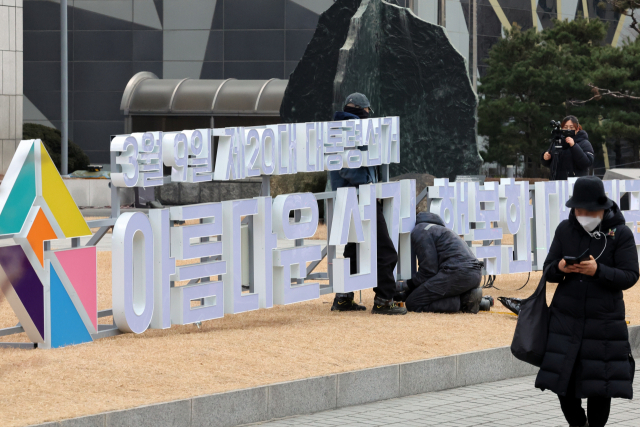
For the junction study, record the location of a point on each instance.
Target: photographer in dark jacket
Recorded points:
(588, 353)
(575, 155)
(449, 274)
(357, 106)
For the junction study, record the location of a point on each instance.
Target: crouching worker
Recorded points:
(449, 274)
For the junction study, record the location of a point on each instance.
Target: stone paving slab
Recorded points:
(502, 403)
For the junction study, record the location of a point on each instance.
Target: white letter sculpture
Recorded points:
(132, 272)
(353, 222)
(200, 287)
(291, 263)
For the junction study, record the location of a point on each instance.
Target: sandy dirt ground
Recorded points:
(239, 351)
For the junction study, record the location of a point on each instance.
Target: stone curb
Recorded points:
(317, 394)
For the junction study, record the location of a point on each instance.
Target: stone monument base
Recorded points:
(184, 193)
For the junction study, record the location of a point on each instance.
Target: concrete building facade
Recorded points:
(10, 79)
(111, 40)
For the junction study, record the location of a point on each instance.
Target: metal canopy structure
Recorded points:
(147, 95)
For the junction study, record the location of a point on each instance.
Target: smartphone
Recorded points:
(571, 260)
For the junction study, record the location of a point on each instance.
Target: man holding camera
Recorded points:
(570, 153)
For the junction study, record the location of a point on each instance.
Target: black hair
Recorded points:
(574, 120)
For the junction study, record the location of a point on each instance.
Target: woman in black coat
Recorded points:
(588, 353)
(576, 155)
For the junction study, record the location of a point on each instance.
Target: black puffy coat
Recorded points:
(570, 161)
(587, 328)
(439, 248)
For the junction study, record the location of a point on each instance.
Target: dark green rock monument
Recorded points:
(406, 67)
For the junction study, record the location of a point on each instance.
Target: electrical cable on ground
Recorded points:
(488, 282)
(525, 283)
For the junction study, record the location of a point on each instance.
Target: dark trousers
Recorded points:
(387, 258)
(598, 408)
(422, 299)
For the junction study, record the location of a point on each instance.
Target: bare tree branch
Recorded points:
(627, 7)
(598, 93)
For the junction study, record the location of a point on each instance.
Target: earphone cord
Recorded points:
(596, 235)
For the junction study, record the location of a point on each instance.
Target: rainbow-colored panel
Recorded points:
(53, 293)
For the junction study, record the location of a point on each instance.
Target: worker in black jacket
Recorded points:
(449, 274)
(357, 106)
(575, 155)
(588, 353)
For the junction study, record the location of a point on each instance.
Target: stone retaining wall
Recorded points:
(323, 393)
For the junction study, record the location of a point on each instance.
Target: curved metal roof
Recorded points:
(147, 94)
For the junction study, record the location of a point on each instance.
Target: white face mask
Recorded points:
(589, 223)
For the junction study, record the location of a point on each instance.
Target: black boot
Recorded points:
(404, 286)
(345, 302)
(403, 290)
(512, 304)
(490, 298)
(486, 303)
(386, 306)
(470, 301)
(401, 296)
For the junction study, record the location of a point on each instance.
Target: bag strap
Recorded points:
(542, 286)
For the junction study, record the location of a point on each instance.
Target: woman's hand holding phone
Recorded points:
(588, 267)
(566, 268)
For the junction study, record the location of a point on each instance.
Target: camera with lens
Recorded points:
(560, 135)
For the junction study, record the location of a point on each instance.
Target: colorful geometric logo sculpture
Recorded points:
(53, 293)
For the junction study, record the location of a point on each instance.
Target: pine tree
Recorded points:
(615, 99)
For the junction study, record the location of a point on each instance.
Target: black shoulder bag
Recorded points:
(530, 338)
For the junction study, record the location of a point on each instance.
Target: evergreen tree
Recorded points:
(52, 140)
(615, 99)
